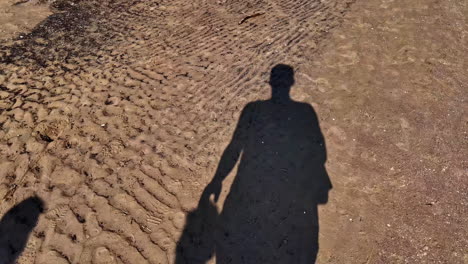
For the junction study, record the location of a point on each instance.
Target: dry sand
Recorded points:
(116, 113)
(17, 18)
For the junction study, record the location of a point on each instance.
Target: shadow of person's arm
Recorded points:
(325, 184)
(197, 242)
(230, 155)
(320, 179)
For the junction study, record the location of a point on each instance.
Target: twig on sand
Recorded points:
(20, 2)
(251, 16)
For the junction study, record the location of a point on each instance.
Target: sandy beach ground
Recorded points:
(114, 116)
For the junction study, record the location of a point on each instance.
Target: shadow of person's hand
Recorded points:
(213, 188)
(197, 242)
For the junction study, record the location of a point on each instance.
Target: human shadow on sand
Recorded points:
(15, 227)
(270, 214)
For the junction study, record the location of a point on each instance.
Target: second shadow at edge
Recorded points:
(270, 214)
(16, 226)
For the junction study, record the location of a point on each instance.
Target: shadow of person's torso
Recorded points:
(270, 214)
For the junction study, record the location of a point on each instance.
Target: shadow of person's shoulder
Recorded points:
(304, 110)
(252, 107)
(305, 106)
(254, 104)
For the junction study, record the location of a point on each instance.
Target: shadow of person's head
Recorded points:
(281, 80)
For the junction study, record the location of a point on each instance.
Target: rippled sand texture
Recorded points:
(116, 113)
